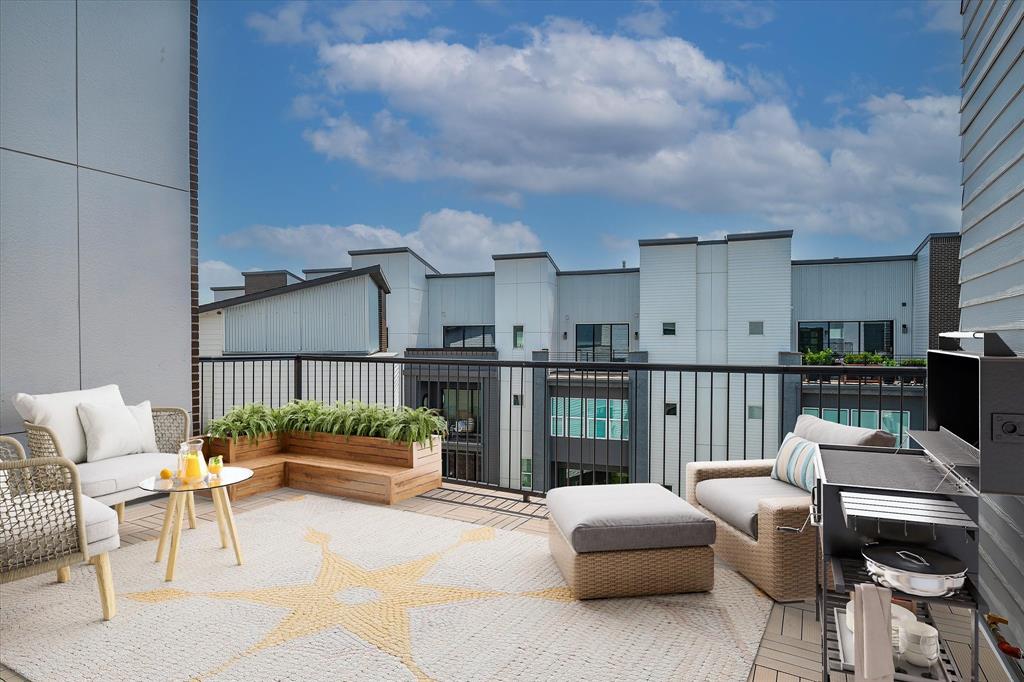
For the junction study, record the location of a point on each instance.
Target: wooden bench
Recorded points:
(365, 468)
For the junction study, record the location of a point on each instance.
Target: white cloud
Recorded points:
(451, 240)
(571, 110)
(216, 273)
(942, 15)
(747, 14)
(649, 20)
(298, 21)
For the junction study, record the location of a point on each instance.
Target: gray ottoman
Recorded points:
(629, 540)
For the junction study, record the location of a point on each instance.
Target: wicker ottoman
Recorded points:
(629, 540)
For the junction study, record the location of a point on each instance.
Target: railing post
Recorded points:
(297, 378)
(790, 398)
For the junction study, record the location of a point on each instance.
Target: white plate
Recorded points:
(899, 615)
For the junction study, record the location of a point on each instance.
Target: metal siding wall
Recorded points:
(922, 282)
(324, 319)
(668, 293)
(992, 151)
(596, 298)
(857, 292)
(211, 334)
(458, 300)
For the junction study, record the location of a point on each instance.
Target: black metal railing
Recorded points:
(529, 426)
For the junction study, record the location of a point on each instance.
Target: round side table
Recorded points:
(181, 495)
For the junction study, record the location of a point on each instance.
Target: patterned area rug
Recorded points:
(337, 590)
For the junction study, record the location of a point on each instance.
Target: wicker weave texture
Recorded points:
(171, 425)
(781, 564)
(632, 573)
(42, 526)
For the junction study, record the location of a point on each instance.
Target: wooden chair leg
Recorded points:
(191, 498)
(108, 599)
(63, 574)
(119, 508)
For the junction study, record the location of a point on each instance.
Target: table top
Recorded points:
(227, 476)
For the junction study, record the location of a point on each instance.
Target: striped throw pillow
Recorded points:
(795, 462)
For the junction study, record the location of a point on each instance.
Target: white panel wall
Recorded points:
(95, 258)
(524, 294)
(668, 293)
(37, 91)
(408, 317)
(857, 292)
(458, 301)
(922, 298)
(211, 334)
(596, 298)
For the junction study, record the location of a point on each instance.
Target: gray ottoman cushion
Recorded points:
(606, 518)
(735, 500)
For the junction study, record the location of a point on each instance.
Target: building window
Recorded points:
(602, 342)
(517, 336)
(526, 475)
(668, 328)
(671, 409)
(593, 418)
(469, 336)
(517, 399)
(755, 328)
(755, 412)
(846, 337)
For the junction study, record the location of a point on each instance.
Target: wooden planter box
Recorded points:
(235, 450)
(372, 469)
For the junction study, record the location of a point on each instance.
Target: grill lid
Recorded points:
(914, 559)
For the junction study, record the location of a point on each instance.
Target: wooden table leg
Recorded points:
(225, 504)
(222, 524)
(179, 519)
(191, 510)
(165, 529)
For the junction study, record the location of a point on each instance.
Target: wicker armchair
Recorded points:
(44, 520)
(780, 561)
(171, 425)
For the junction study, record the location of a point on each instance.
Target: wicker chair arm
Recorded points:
(171, 425)
(11, 450)
(42, 441)
(775, 513)
(703, 471)
(42, 514)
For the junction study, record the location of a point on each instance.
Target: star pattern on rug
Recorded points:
(383, 622)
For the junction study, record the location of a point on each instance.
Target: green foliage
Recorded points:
(400, 425)
(889, 362)
(914, 362)
(863, 359)
(300, 415)
(252, 421)
(821, 357)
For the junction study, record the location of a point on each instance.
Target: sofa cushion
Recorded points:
(59, 412)
(143, 413)
(113, 475)
(795, 463)
(735, 500)
(110, 431)
(626, 516)
(821, 431)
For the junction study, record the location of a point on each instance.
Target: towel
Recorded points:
(872, 636)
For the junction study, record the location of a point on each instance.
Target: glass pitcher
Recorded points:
(191, 464)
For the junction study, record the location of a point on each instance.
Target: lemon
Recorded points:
(165, 474)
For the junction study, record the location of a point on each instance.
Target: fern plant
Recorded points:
(300, 415)
(251, 421)
(407, 425)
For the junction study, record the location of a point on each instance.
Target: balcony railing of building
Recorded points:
(529, 426)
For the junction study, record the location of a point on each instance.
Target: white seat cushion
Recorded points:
(108, 476)
(59, 412)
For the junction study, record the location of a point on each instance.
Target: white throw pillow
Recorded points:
(110, 431)
(143, 413)
(58, 412)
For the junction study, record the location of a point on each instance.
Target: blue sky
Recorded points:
(465, 128)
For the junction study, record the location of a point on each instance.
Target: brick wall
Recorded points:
(193, 193)
(944, 288)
